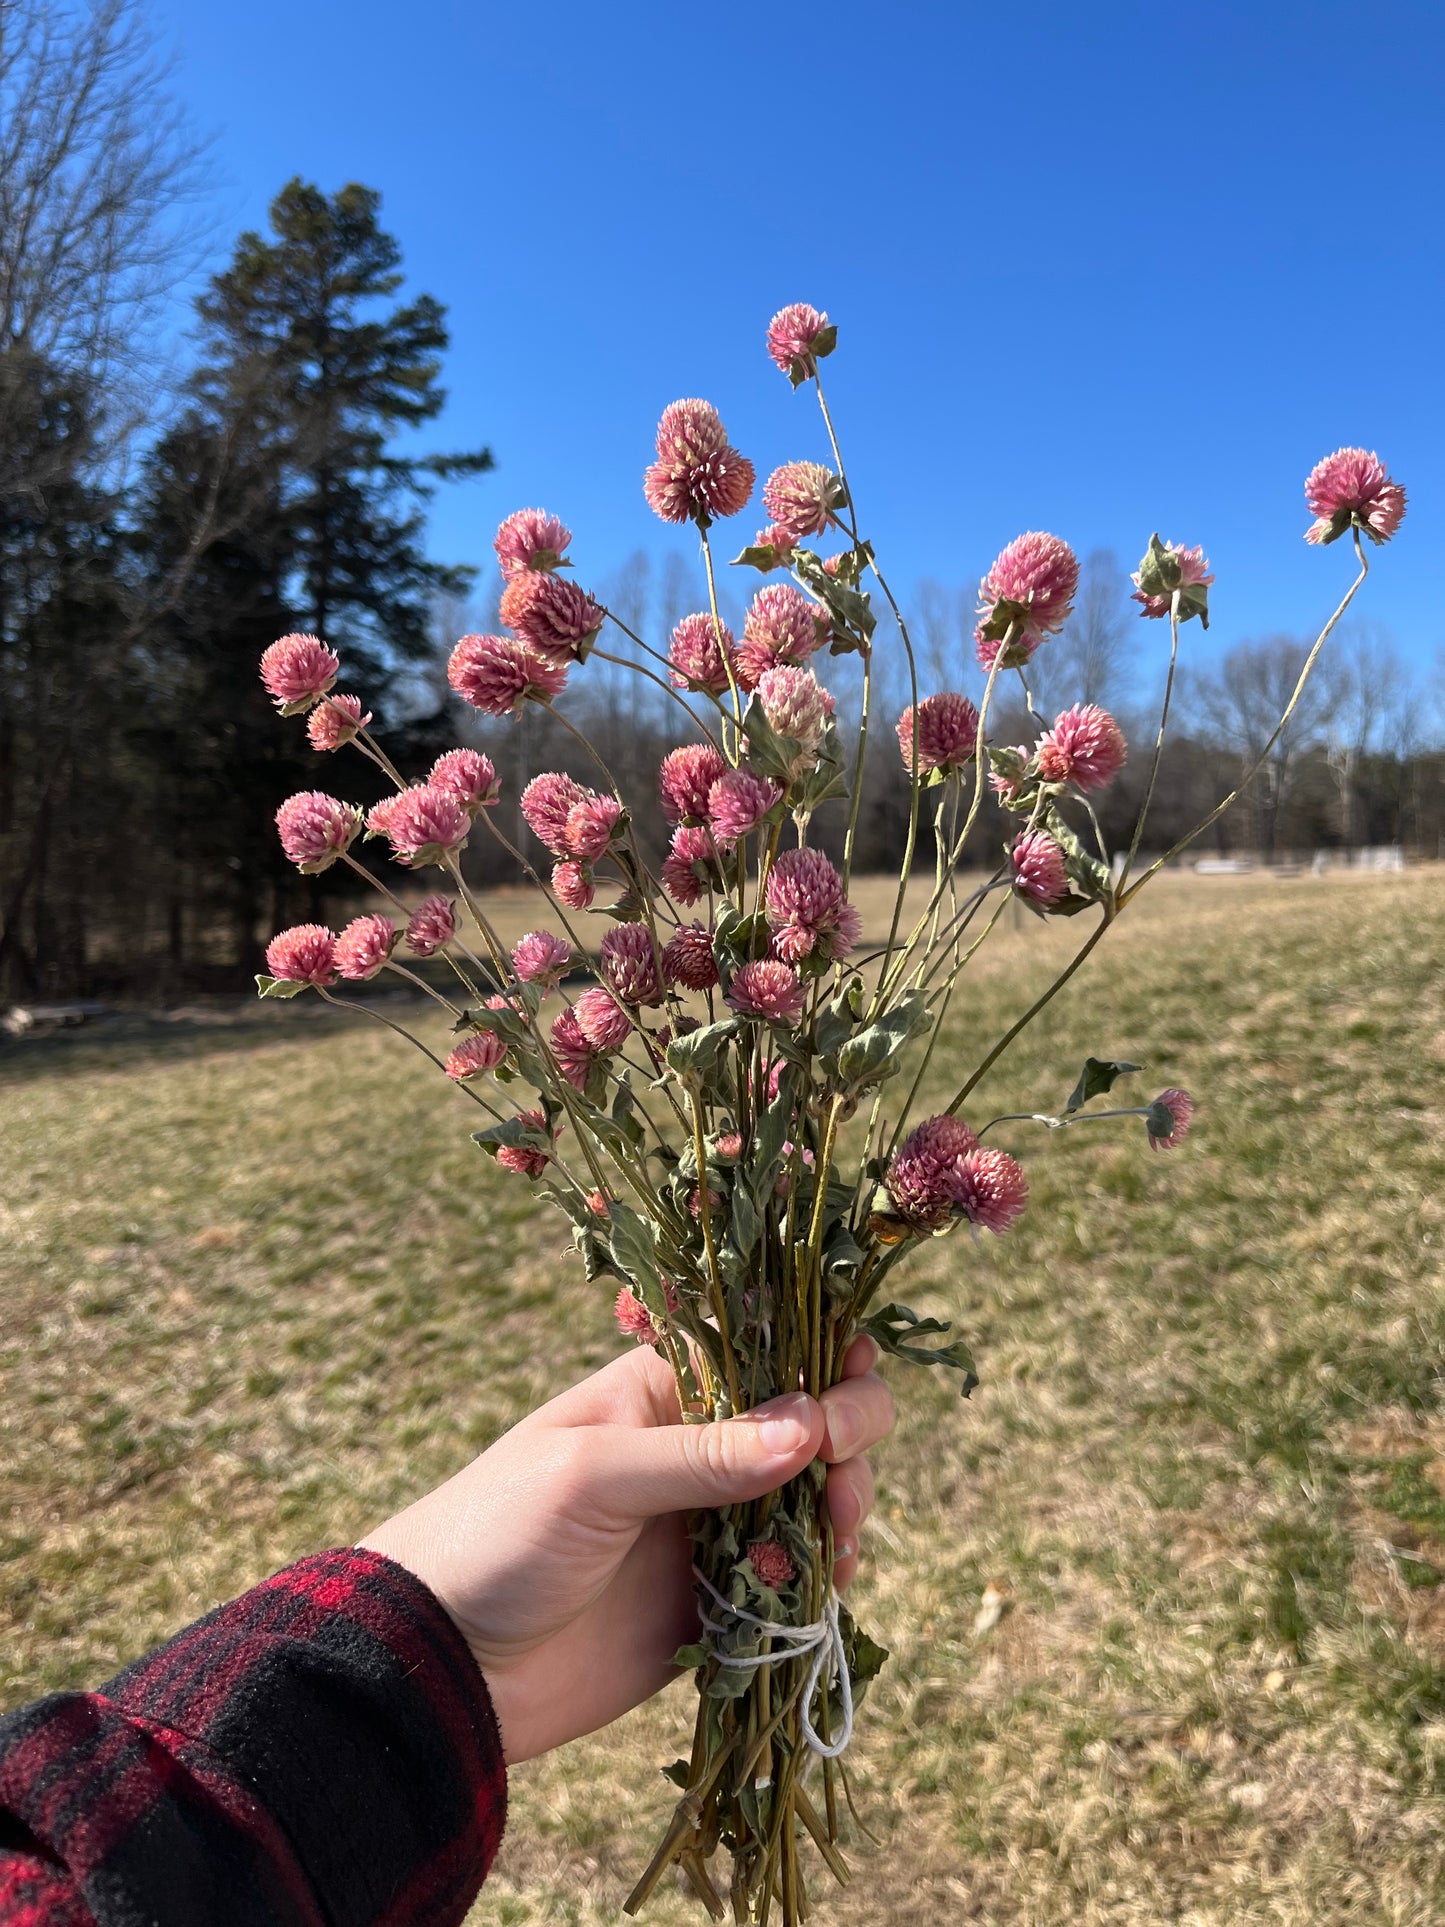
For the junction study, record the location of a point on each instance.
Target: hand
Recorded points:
(562, 1553)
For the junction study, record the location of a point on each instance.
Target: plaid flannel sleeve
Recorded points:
(321, 1752)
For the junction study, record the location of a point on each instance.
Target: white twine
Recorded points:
(823, 1638)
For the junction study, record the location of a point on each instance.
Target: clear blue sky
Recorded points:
(1097, 269)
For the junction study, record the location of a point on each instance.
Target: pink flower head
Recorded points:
(782, 542)
(801, 498)
(592, 826)
(737, 802)
(426, 825)
(547, 802)
(691, 865)
(947, 732)
(772, 1563)
(697, 476)
(782, 626)
(573, 1049)
(541, 958)
(433, 925)
(634, 1320)
(1174, 1108)
(991, 1190)
(696, 660)
(729, 1147)
(684, 779)
(1005, 787)
(524, 1159)
(468, 776)
(602, 1020)
(550, 613)
(497, 674)
(1352, 486)
(315, 828)
(380, 814)
(364, 946)
(808, 911)
(688, 962)
(480, 1052)
(1085, 746)
(922, 1179)
(1030, 589)
(572, 884)
(793, 339)
(531, 539)
(1194, 572)
(629, 964)
(305, 954)
(796, 704)
(767, 990)
(298, 669)
(1038, 867)
(335, 721)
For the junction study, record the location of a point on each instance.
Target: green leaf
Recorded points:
(691, 1657)
(1088, 874)
(898, 1328)
(1097, 1077)
(771, 753)
(866, 1658)
(766, 1150)
(874, 1053)
(632, 1249)
(850, 608)
(825, 341)
(278, 986)
(695, 1054)
(838, 1019)
(761, 556)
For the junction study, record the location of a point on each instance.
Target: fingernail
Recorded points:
(845, 1427)
(788, 1422)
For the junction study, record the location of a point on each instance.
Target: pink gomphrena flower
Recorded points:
(715, 1203)
(684, 778)
(1030, 589)
(597, 1204)
(468, 776)
(573, 1049)
(1005, 787)
(697, 476)
(364, 946)
(1179, 1106)
(551, 614)
(772, 1563)
(426, 826)
(781, 541)
(801, 498)
(783, 626)
(531, 539)
(1038, 868)
(921, 1178)
(629, 966)
(298, 669)
(315, 828)
(947, 733)
(572, 884)
(691, 866)
(729, 1147)
(796, 704)
(592, 826)
(634, 1320)
(991, 1190)
(769, 991)
(1194, 572)
(797, 336)
(602, 1020)
(688, 962)
(525, 1159)
(541, 958)
(432, 926)
(808, 909)
(335, 721)
(547, 802)
(497, 674)
(379, 815)
(304, 954)
(480, 1052)
(1085, 746)
(737, 802)
(1352, 486)
(696, 660)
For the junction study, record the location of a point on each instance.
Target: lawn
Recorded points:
(258, 1288)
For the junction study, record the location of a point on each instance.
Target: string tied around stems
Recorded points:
(822, 1637)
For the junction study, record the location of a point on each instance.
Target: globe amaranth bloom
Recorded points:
(541, 958)
(947, 733)
(808, 910)
(426, 825)
(304, 954)
(602, 1020)
(1169, 1119)
(797, 706)
(480, 1052)
(629, 964)
(691, 866)
(798, 336)
(547, 802)
(1039, 872)
(573, 1049)
(802, 497)
(432, 926)
(697, 477)
(335, 721)
(550, 613)
(767, 990)
(592, 826)
(782, 626)
(634, 1320)
(922, 1178)
(688, 962)
(315, 829)
(531, 539)
(737, 802)
(1352, 487)
(1168, 567)
(497, 674)
(572, 884)
(364, 946)
(772, 1563)
(468, 776)
(699, 655)
(1085, 746)
(684, 778)
(991, 1190)
(298, 669)
(1026, 596)
(525, 1159)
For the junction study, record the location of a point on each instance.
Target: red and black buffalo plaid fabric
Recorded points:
(320, 1753)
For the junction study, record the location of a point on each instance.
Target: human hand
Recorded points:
(562, 1552)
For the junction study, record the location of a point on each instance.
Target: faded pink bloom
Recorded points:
(808, 910)
(781, 541)
(497, 674)
(691, 866)
(1193, 568)
(697, 476)
(801, 498)
(380, 814)
(305, 954)
(793, 337)
(688, 961)
(531, 539)
(541, 958)
(628, 961)
(767, 990)
(715, 1203)
(573, 1049)
(697, 662)
(602, 1020)
(1085, 746)
(947, 732)
(634, 1320)
(572, 884)
(684, 778)
(364, 946)
(523, 1158)
(1030, 587)
(796, 704)
(335, 721)
(922, 1177)
(737, 802)
(1038, 867)
(772, 1563)
(547, 802)
(1352, 486)
(783, 626)
(550, 613)
(315, 828)
(426, 825)
(298, 669)
(433, 925)
(1008, 788)
(991, 1190)
(1180, 1107)
(468, 776)
(592, 825)
(597, 1204)
(729, 1147)
(480, 1052)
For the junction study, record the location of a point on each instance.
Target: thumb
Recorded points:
(640, 1472)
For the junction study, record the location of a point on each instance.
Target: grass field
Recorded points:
(257, 1288)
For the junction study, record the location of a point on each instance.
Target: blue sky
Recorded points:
(1096, 269)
